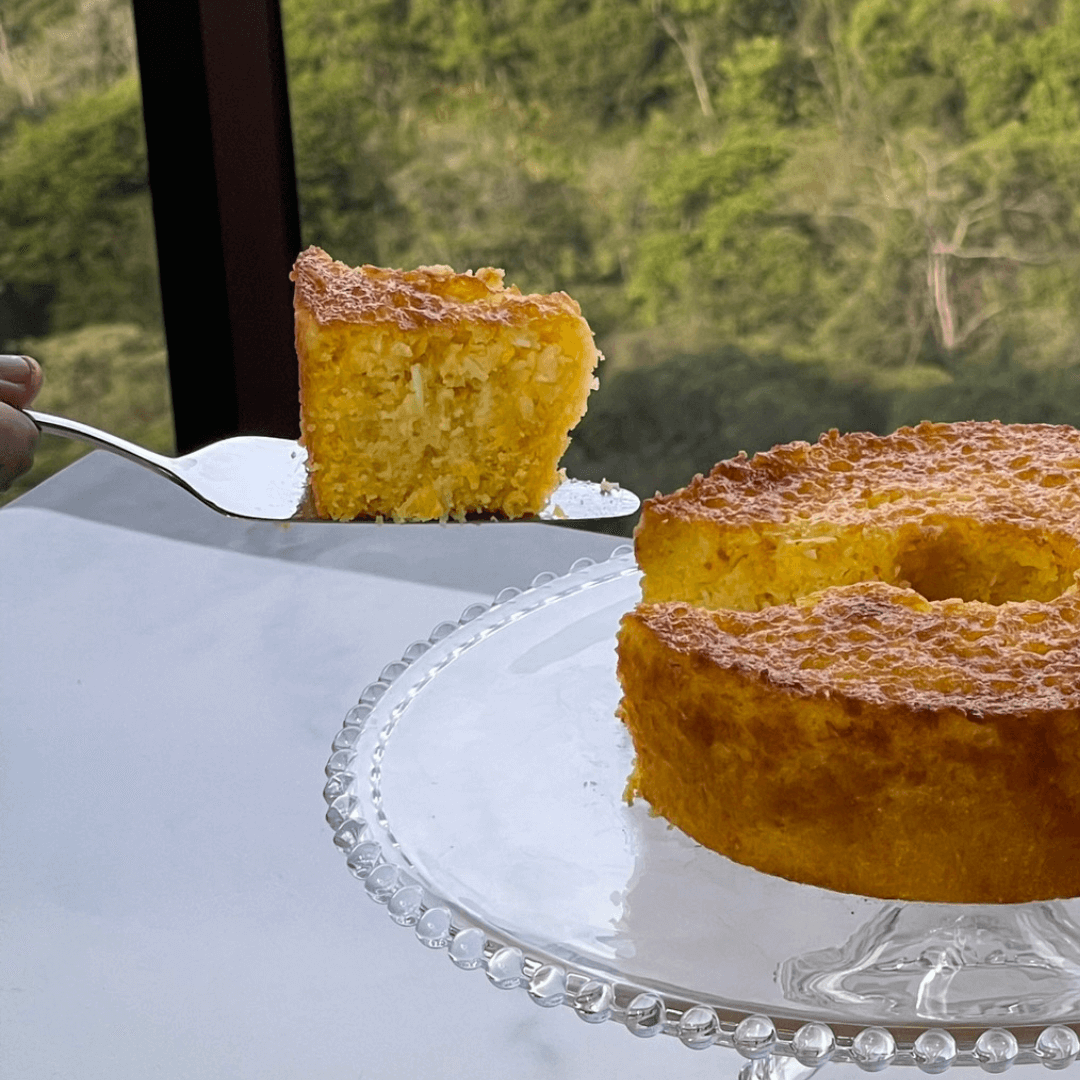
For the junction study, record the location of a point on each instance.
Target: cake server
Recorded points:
(254, 476)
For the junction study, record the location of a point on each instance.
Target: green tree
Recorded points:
(884, 184)
(51, 50)
(75, 212)
(942, 142)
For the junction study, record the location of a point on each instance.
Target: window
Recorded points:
(779, 217)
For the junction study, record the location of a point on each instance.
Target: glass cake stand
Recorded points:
(478, 793)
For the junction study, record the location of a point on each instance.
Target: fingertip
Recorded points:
(20, 380)
(19, 437)
(36, 378)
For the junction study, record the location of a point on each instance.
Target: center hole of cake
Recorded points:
(966, 562)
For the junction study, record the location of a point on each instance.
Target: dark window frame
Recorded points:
(226, 214)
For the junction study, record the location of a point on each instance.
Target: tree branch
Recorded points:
(969, 215)
(10, 72)
(1002, 252)
(937, 280)
(985, 315)
(690, 48)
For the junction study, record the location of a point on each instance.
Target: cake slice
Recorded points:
(429, 394)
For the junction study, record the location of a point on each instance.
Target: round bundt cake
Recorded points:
(857, 663)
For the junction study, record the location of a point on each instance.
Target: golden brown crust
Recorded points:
(332, 292)
(882, 647)
(983, 511)
(984, 470)
(884, 801)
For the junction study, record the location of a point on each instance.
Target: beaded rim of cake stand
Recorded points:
(597, 998)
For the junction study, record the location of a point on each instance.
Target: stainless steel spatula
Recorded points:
(253, 476)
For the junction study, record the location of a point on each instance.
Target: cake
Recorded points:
(428, 394)
(856, 664)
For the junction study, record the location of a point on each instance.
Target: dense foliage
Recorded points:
(778, 215)
(78, 272)
(874, 183)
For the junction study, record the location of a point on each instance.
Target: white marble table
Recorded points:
(171, 904)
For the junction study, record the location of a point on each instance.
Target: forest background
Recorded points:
(779, 216)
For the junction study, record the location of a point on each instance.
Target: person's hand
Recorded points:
(20, 380)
